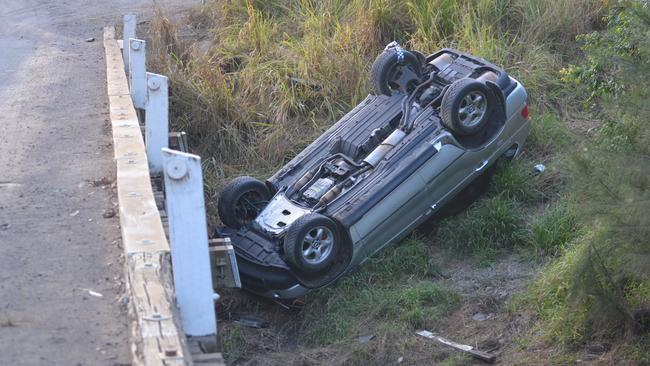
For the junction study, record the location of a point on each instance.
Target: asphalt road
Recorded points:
(55, 162)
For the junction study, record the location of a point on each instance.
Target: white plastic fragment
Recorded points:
(94, 293)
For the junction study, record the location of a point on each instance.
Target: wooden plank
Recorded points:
(225, 272)
(156, 337)
(207, 358)
(155, 334)
(178, 141)
(202, 348)
(483, 356)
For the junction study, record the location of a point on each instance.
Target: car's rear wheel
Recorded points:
(241, 201)
(392, 71)
(466, 106)
(312, 243)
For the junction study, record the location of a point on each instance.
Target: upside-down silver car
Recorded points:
(432, 126)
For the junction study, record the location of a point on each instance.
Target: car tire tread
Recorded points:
(233, 192)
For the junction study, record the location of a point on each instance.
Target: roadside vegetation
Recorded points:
(253, 82)
(599, 289)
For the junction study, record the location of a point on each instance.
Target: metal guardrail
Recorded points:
(163, 311)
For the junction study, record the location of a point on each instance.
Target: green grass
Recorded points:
(553, 230)
(234, 344)
(412, 258)
(516, 182)
(457, 359)
(485, 230)
(394, 289)
(340, 312)
(550, 295)
(549, 134)
(636, 351)
(592, 291)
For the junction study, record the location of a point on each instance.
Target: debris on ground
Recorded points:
(94, 293)
(365, 339)
(103, 181)
(296, 81)
(482, 317)
(73, 214)
(483, 356)
(91, 39)
(539, 169)
(108, 213)
(248, 321)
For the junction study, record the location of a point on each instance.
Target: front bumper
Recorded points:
(270, 282)
(261, 269)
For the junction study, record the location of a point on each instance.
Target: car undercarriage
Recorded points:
(432, 126)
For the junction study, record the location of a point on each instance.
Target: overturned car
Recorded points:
(432, 126)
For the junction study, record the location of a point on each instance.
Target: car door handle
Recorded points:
(481, 165)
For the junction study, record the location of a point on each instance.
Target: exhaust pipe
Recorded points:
(388, 144)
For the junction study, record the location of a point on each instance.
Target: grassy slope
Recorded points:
(599, 290)
(235, 92)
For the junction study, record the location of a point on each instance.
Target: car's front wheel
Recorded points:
(312, 243)
(241, 201)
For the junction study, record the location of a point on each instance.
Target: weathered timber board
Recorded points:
(157, 338)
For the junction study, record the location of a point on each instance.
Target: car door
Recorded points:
(462, 172)
(404, 208)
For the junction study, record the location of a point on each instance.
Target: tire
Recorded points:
(422, 59)
(467, 106)
(241, 201)
(386, 70)
(312, 243)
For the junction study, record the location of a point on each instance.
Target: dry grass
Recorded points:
(253, 82)
(260, 79)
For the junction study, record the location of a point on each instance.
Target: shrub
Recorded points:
(593, 290)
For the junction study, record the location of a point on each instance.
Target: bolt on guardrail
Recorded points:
(127, 33)
(138, 72)
(183, 182)
(156, 120)
(189, 242)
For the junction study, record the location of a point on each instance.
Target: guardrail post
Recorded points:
(128, 33)
(138, 72)
(156, 120)
(188, 236)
